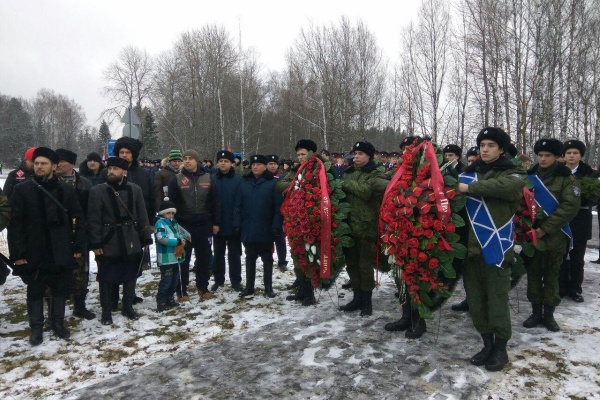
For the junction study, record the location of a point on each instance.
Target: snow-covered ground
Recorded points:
(303, 352)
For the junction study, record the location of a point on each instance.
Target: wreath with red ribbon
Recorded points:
(417, 226)
(313, 218)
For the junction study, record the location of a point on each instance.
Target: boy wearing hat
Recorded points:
(559, 195)
(364, 185)
(472, 154)
(228, 182)
(495, 184)
(452, 154)
(170, 242)
(571, 270)
(46, 237)
(256, 218)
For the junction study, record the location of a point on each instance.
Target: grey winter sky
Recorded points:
(65, 45)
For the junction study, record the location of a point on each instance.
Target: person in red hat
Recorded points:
(21, 174)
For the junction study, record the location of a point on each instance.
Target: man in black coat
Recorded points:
(452, 154)
(119, 233)
(21, 174)
(45, 237)
(67, 174)
(91, 168)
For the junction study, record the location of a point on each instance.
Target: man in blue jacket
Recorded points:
(257, 218)
(228, 182)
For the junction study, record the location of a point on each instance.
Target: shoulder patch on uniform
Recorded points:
(576, 191)
(517, 176)
(160, 230)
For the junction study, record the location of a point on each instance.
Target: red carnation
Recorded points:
(434, 263)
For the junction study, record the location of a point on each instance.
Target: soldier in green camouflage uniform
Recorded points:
(364, 184)
(499, 183)
(66, 173)
(543, 268)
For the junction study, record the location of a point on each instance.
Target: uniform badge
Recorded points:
(185, 180)
(20, 173)
(517, 176)
(576, 191)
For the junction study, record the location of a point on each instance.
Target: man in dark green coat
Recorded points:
(364, 185)
(552, 181)
(497, 186)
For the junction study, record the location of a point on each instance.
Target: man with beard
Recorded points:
(21, 174)
(45, 238)
(67, 174)
(118, 230)
(194, 193)
(256, 216)
(228, 182)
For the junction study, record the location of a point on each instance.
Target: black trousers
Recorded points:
(38, 281)
(571, 270)
(234, 257)
(201, 235)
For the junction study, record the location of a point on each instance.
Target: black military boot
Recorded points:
(250, 277)
(58, 318)
(309, 294)
(282, 266)
(106, 302)
(535, 318)
(35, 312)
(481, 358)
(366, 305)
(268, 279)
(417, 327)
(403, 323)
(114, 296)
(79, 308)
(498, 357)
(299, 295)
(48, 319)
(548, 319)
(355, 304)
(294, 285)
(128, 295)
(462, 306)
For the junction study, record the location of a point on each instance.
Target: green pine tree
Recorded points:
(150, 135)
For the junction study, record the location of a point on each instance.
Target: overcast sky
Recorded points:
(64, 45)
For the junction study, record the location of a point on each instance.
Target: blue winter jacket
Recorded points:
(256, 209)
(227, 187)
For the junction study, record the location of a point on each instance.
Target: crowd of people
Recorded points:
(117, 207)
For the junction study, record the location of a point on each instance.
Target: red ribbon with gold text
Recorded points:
(532, 207)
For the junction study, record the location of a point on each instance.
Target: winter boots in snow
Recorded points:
(250, 277)
(128, 296)
(79, 308)
(106, 302)
(481, 358)
(549, 320)
(355, 304)
(417, 327)
(403, 323)
(535, 318)
(58, 318)
(493, 355)
(462, 306)
(268, 279)
(366, 306)
(35, 312)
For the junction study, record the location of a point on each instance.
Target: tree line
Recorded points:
(530, 67)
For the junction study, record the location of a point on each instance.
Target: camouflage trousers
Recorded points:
(542, 277)
(81, 277)
(487, 290)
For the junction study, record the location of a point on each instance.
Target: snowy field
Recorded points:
(98, 359)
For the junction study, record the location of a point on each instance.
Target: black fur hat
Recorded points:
(306, 144)
(258, 158)
(93, 156)
(473, 151)
(46, 152)
(365, 147)
(512, 150)
(117, 162)
(272, 158)
(407, 141)
(131, 144)
(226, 155)
(67, 155)
(496, 135)
(452, 148)
(550, 145)
(574, 144)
